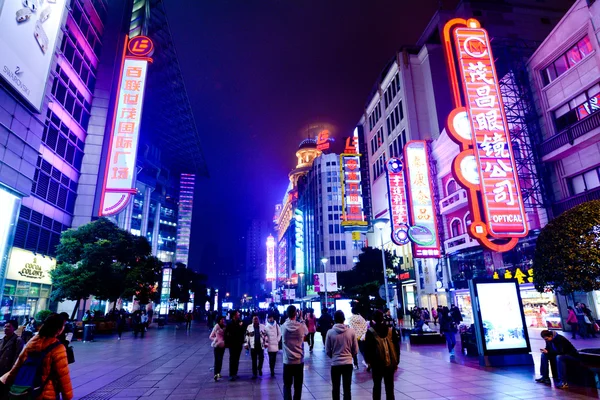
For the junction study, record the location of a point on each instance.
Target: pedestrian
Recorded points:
(434, 315)
(273, 332)
(218, 344)
(30, 329)
(359, 324)
(188, 320)
(583, 331)
(311, 323)
(255, 341)
(136, 321)
(589, 320)
(121, 322)
(341, 346)
(234, 341)
(382, 351)
(560, 353)
(144, 321)
(55, 371)
(573, 323)
(10, 347)
(324, 323)
(387, 318)
(456, 315)
(448, 328)
(293, 333)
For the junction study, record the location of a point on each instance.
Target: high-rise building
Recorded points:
(184, 217)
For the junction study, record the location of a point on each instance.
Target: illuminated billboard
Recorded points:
(270, 259)
(352, 200)
(299, 240)
(486, 166)
(184, 217)
(423, 232)
(282, 260)
(28, 33)
(397, 201)
(119, 184)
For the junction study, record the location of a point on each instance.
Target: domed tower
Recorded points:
(306, 154)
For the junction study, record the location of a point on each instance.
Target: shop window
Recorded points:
(9, 287)
(23, 288)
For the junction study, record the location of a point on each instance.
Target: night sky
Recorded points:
(257, 72)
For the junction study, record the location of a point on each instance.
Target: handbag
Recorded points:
(596, 327)
(70, 355)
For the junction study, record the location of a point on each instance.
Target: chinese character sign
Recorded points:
(423, 233)
(397, 201)
(352, 200)
(299, 240)
(282, 260)
(501, 196)
(270, 259)
(120, 165)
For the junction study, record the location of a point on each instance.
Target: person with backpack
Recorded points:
(324, 323)
(448, 328)
(311, 323)
(341, 346)
(42, 369)
(382, 353)
(273, 332)
(293, 333)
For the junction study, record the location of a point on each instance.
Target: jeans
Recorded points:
(258, 358)
(219, 353)
(188, 325)
(311, 340)
(343, 372)
(361, 350)
(234, 360)
(559, 364)
(450, 340)
(272, 361)
(387, 374)
(574, 330)
(293, 373)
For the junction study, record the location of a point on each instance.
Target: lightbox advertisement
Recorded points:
(28, 33)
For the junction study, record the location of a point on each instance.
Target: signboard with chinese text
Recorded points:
(282, 260)
(119, 185)
(323, 140)
(423, 233)
(397, 201)
(270, 259)
(352, 200)
(299, 240)
(500, 192)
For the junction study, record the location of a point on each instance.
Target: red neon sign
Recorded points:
(485, 166)
(352, 200)
(397, 201)
(270, 259)
(323, 140)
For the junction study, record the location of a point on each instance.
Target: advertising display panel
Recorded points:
(397, 201)
(282, 260)
(28, 33)
(344, 305)
(319, 282)
(352, 200)
(299, 240)
(270, 259)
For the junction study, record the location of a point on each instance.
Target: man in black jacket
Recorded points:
(235, 333)
(324, 324)
(383, 363)
(559, 352)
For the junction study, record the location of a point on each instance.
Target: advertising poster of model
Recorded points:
(500, 327)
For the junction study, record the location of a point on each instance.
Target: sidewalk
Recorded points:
(172, 364)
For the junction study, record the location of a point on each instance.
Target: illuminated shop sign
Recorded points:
(423, 232)
(299, 240)
(270, 259)
(282, 260)
(119, 185)
(397, 201)
(486, 165)
(27, 266)
(323, 140)
(352, 201)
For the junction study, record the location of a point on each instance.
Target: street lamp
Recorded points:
(324, 261)
(381, 223)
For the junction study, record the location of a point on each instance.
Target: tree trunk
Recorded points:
(84, 303)
(74, 314)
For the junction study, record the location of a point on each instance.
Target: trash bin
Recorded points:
(88, 332)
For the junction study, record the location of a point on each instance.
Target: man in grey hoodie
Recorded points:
(341, 346)
(293, 333)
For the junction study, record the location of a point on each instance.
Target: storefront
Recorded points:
(28, 285)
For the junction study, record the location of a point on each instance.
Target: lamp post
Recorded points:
(380, 223)
(324, 262)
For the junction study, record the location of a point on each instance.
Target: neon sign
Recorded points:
(282, 260)
(323, 139)
(270, 259)
(486, 165)
(423, 233)
(352, 201)
(397, 201)
(299, 240)
(118, 186)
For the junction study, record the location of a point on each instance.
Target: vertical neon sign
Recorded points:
(397, 201)
(270, 259)
(299, 240)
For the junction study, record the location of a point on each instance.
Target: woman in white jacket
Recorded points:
(273, 331)
(256, 339)
(218, 343)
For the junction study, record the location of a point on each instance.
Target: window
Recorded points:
(578, 108)
(337, 228)
(374, 116)
(343, 245)
(338, 260)
(343, 260)
(452, 187)
(337, 244)
(379, 167)
(586, 181)
(377, 141)
(568, 60)
(398, 144)
(332, 260)
(392, 90)
(330, 245)
(456, 228)
(330, 228)
(393, 120)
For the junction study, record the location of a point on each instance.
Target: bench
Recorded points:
(427, 338)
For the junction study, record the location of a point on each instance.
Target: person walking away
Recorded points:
(218, 344)
(341, 346)
(559, 352)
(293, 333)
(456, 315)
(382, 351)
(448, 328)
(121, 321)
(434, 315)
(10, 348)
(234, 341)
(573, 323)
(311, 324)
(255, 341)
(359, 325)
(324, 323)
(273, 333)
(144, 322)
(589, 320)
(581, 321)
(136, 321)
(188, 320)
(55, 368)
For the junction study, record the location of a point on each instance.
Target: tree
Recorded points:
(102, 260)
(567, 254)
(184, 280)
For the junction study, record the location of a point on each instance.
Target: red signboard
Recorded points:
(323, 140)
(352, 200)
(397, 201)
(270, 259)
(500, 193)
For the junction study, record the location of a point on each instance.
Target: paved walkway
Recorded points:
(173, 364)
